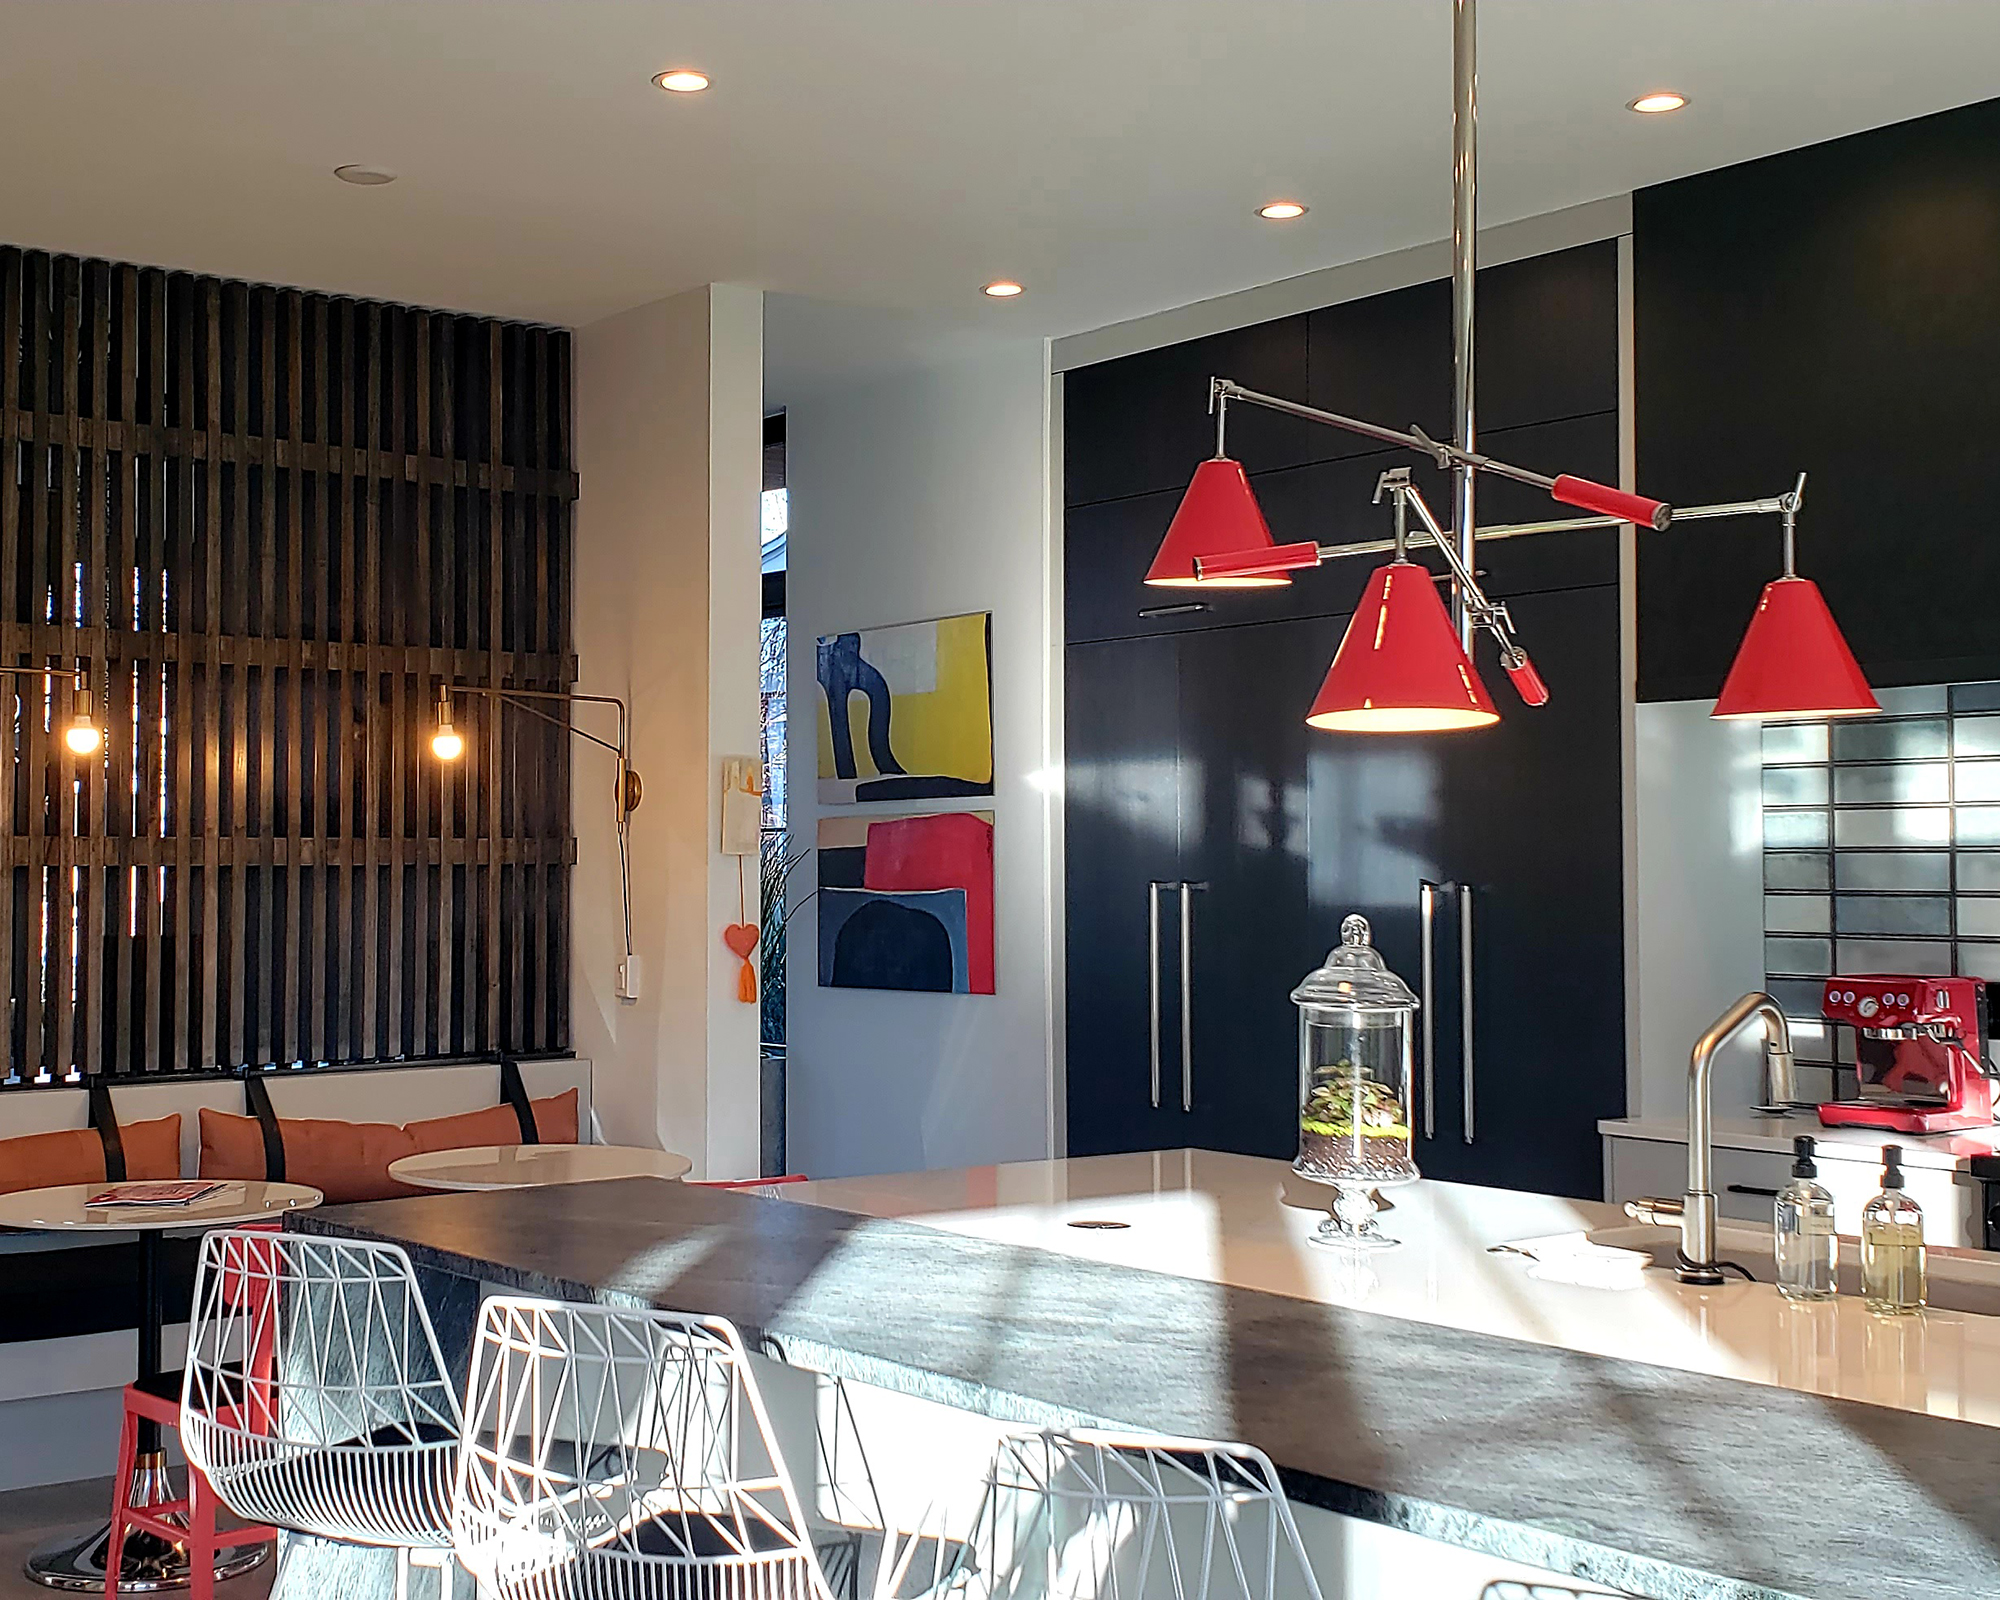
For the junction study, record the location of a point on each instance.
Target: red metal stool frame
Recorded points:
(188, 1521)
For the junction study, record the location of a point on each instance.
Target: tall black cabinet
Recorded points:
(1214, 842)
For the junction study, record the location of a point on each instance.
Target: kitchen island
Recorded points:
(1652, 1439)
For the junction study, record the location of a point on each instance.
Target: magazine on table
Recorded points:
(152, 1194)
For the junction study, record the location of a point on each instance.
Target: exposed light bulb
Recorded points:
(1651, 105)
(446, 744)
(83, 736)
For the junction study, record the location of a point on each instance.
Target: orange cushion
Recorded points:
(76, 1155)
(350, 1160)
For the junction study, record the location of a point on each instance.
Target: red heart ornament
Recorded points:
(741, 937)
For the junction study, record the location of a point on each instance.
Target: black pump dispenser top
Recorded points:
(1802, 1157)
(1892, 1166)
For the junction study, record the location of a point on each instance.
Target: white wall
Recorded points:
(917, 494)
(669, 408)
(1697, 812)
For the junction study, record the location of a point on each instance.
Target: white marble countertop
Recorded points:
(1776, 1134)
(1245, 1222)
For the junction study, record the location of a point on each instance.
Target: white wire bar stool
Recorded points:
(623, 1455)
(1101, 1516)
(315, 1396)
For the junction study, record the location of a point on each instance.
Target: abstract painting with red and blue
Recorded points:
(907, 903)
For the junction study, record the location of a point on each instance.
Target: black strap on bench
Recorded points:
(515, 1093)
(105, 1120)
(267, 1121)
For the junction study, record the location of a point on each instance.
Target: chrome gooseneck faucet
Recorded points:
(1695, 1211)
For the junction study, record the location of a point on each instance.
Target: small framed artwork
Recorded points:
(907, 902)
(906, 713)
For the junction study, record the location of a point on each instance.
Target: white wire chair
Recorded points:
(1101, 1516)
(623, 1455)
(315, 1396)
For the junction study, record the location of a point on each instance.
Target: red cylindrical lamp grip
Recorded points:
(1601, 498)
(1256, 563)
(1527, 681)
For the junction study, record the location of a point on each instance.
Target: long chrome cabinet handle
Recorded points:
(1187, 994)
(1153, 979)
(1426, 923)
(1465, 998)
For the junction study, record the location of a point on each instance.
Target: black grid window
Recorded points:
(1882, 847)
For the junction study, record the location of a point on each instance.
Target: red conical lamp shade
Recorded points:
(1218, 516)
(1400, 668)
(1793, 661)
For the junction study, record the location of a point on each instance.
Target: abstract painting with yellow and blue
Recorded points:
(906, 713)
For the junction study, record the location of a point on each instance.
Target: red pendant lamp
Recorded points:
(1400, 667)
(1218, 515)
(1793, 661)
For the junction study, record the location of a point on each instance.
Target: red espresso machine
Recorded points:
(1919, 1053)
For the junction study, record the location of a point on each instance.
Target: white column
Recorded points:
(669, 404)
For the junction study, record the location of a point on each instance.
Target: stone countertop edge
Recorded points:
(1585, 1558)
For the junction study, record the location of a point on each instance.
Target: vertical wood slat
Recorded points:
(266, 942)
(340, 740)
(33, 818)
(96, 486)
(211, 690)
(326, 890)
(16, 454)
(61, 970)
(369, 616)
(423, 934)
(290, 1044)
(123, 751)
(319, 784)
(237, 957)
(496, 873)
(395, 627)
(153, 682)
(449, 1039)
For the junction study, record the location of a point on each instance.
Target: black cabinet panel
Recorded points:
(1141, 424)
(1246, 751)
(1834, 310)
(1548, 338)
(1547, 348)
(1534, 828)
(1122, 833)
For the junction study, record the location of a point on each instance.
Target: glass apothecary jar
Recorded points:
(1357, 1027)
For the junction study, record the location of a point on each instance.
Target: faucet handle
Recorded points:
(1658, 1213)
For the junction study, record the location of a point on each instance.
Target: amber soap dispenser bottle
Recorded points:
(1892, 1244)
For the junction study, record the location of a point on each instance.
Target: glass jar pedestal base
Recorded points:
(1351, 1224)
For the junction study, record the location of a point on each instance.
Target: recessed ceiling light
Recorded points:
(1281, 211)
(682, 80)
(1002, 289)
(1656, 102)
(367, 177)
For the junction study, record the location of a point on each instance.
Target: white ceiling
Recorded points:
(890, 153)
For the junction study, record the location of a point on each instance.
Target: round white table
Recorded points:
(528, 1166)
(75, 1563)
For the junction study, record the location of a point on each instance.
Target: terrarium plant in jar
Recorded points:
(1356, 1046)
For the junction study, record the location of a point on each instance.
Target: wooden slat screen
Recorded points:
(267, 524)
